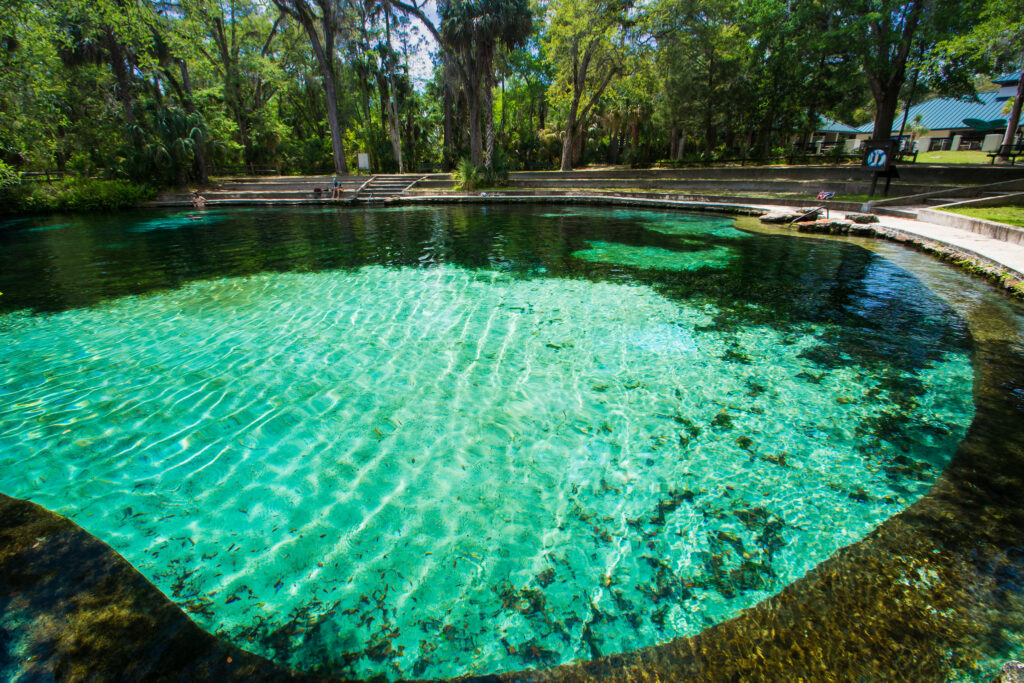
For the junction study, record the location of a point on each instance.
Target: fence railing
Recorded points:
(44, 176)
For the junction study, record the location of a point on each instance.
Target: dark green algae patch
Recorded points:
(926, 596)
(74, 610)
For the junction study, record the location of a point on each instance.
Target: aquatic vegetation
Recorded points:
(654, 257)
(320, 491)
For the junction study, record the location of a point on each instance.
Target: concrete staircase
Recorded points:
(383, 187)
(275, 190)
(285, 190)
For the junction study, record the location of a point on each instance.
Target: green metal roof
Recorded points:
(832, 126)
(1008, 79)
(943, 113)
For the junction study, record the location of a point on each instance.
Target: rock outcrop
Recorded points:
(786, 217)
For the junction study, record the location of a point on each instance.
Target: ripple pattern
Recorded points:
(428, 472)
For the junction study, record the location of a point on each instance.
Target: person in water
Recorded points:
(198, 200)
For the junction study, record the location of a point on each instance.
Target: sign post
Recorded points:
(878, 157)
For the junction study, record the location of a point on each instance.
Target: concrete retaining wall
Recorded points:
(916, 174)
(999, 231)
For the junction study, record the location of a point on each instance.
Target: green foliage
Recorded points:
(164, 93)
(8, 177)
(80, 195)
(468, 177)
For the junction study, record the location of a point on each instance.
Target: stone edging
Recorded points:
(965, 259)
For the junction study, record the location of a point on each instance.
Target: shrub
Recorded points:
(79, 195)
(8, 177)
(467, 176)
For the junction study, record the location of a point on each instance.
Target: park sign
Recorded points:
(878, 155)
(879, 158)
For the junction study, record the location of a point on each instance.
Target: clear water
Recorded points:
(432, 442)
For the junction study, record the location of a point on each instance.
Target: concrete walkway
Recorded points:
(1006, 254)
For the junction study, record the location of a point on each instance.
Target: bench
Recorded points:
(1011, 152)
(264, 170)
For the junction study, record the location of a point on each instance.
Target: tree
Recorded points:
(241, 34)
(321, 28)
(471, 32)
(700, 58)
(585, 42)
(882, 33)
(996, 43)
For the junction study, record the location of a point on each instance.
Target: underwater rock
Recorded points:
(859, 495)
(834, 226)
(1012, 672)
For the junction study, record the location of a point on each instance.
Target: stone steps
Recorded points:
(949, 200)
(381, 187)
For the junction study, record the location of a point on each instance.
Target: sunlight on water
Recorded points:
(428, 472)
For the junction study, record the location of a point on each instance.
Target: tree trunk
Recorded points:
(673, 139)
(568, 142)
(396, 139)
(489, 119)
(337, 146)
(1011, 124)
(887, 101)
(710, 138)
(190, 107)
(476, 149)
(117, 63)
(613, 144)
(448, 152)
(324, 53)
(885, 85)
(682, 145)
(503, 107)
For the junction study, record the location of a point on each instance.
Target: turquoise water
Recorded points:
(460, 454)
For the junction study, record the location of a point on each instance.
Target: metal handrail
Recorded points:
(809, 213)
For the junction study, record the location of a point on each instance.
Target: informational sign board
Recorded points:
(879, 158)
(364, 161)
(878, 155)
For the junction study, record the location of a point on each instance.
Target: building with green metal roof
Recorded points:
(958, 123)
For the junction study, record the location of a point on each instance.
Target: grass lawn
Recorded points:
(1012, 215)
(970, 157)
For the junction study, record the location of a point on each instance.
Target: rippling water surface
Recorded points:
(424, 442)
